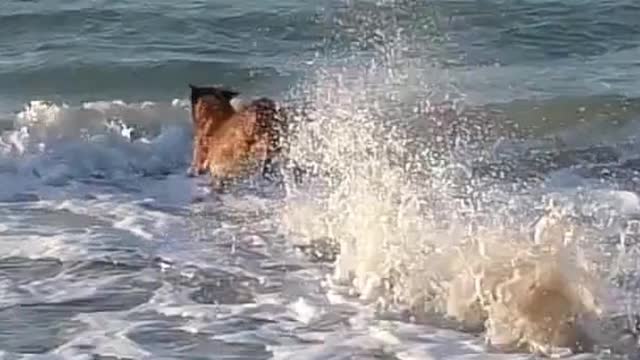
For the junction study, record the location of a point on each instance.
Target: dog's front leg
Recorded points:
(199, 161)
(192, 171)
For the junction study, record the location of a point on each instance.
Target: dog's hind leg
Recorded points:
(269, 169)
(218, 184)
(199, 160)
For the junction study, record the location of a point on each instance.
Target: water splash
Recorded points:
(419, 232)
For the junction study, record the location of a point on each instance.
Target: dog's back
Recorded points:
(210, 107)
(227, 141)
(246, 140)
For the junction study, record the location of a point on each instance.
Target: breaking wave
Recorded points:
(55, 144)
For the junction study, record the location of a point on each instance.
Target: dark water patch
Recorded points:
(35, 330)
(109, 357)
(241, 251)
(146, 316)
(222, 292)
(159, 336)
(161, 174)
(179, 343)
(272, 267)
(18, 231)
(213, 286)
(22, 270)
(104, 301)
(121, 248)
(631, 164)
(122, 293)
(21, 198)
(105, 267)
(122, 287)
(175, 210)
(238, 324)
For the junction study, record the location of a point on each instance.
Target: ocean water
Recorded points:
(476, 193)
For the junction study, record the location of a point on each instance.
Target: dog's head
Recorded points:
(217, 92)
(216, 96)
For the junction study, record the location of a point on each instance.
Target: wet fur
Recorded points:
(230, 142)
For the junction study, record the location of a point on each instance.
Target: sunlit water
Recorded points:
(474, 193)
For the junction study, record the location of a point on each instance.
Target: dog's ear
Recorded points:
(195, 94)
(196, 90)
(228, 94)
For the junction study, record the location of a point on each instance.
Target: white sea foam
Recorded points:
(59, 142)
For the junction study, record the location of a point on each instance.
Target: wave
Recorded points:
(53, 144)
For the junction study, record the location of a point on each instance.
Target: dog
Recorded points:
(229, 141)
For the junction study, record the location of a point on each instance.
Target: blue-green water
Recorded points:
(108, 251)
(150, 50)
(135, 50)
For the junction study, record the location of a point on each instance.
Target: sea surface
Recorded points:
(448, 141)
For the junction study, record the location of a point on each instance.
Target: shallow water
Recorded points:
(109, 251)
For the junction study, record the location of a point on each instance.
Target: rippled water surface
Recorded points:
(477, 161)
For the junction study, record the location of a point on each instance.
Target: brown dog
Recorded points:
(231, 142)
